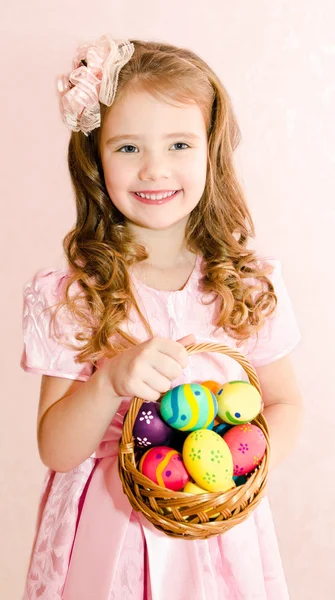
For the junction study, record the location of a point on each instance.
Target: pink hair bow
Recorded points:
(94, 79)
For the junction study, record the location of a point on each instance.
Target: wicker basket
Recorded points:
(184, 515)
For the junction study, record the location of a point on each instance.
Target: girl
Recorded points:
(158, 259)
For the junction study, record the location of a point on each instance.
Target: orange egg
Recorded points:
(212, 385)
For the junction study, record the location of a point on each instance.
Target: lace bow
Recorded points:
(94, 78)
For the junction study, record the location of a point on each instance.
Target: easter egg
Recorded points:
(188, 407)
(238, 402)
(192, 488)
(212, 385)
(149, 428)
(164, 466)
(222, 428)
(247, 445)
(240, 479)
(208, 460)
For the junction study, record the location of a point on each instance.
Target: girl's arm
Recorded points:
(283, 407)
(73, 417)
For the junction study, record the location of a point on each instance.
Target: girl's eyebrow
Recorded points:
(134, 136)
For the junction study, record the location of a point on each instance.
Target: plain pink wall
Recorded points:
(277, 62)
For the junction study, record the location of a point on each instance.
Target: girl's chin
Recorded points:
(156, 224)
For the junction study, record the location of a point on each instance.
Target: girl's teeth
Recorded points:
(155, 196)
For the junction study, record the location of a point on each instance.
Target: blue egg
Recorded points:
(222, 428)
(240, 479)
(188, 407)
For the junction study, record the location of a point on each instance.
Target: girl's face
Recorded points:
(159, 148)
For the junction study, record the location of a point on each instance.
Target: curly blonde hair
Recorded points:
(100, 248)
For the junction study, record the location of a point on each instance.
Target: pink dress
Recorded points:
(90, 544)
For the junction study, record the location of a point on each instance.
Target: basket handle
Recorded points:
(127, 442)
(245, 364)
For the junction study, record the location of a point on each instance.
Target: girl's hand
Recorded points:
(147, 370)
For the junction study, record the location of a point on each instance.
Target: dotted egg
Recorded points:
(238, 402)
(189, 407)
(149, 428)
(165, 467)
(208, 460)
(247, 445)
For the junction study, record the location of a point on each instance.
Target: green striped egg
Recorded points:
(189, 407)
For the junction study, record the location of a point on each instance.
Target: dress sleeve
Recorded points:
(280, 334)
(42, 353)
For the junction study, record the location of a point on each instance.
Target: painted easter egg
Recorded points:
(192, 488)
(247, 445)
(238, 402)
(149, 428)
(208, 460)
(214, 386)
(222, 428)
(188, 407)
(164, 466)
(240, 479)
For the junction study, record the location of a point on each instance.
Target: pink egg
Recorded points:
(247, 445)
(165, 467)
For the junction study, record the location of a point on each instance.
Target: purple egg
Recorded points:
(149, 428)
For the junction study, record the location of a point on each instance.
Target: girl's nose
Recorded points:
(154, 168)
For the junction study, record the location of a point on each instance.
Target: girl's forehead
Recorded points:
(138, 112)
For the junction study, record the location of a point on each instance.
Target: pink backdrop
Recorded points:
(277, 61)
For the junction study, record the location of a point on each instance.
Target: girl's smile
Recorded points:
(156, 199)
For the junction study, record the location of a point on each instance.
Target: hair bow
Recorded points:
(94, 79)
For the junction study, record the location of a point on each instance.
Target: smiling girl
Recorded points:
(158, 259)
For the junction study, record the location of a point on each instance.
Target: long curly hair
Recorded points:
(100, 248)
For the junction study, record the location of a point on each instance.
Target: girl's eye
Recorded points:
(181, 144)
(130, 146)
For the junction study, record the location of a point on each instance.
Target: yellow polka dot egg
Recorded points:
(238, 402)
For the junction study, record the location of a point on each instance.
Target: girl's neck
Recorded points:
(166, 275)
(166, 247)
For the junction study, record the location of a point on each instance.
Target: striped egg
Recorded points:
(189, 407)
(165, 467)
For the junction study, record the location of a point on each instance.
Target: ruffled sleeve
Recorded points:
(42, 354)
(280, 334)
